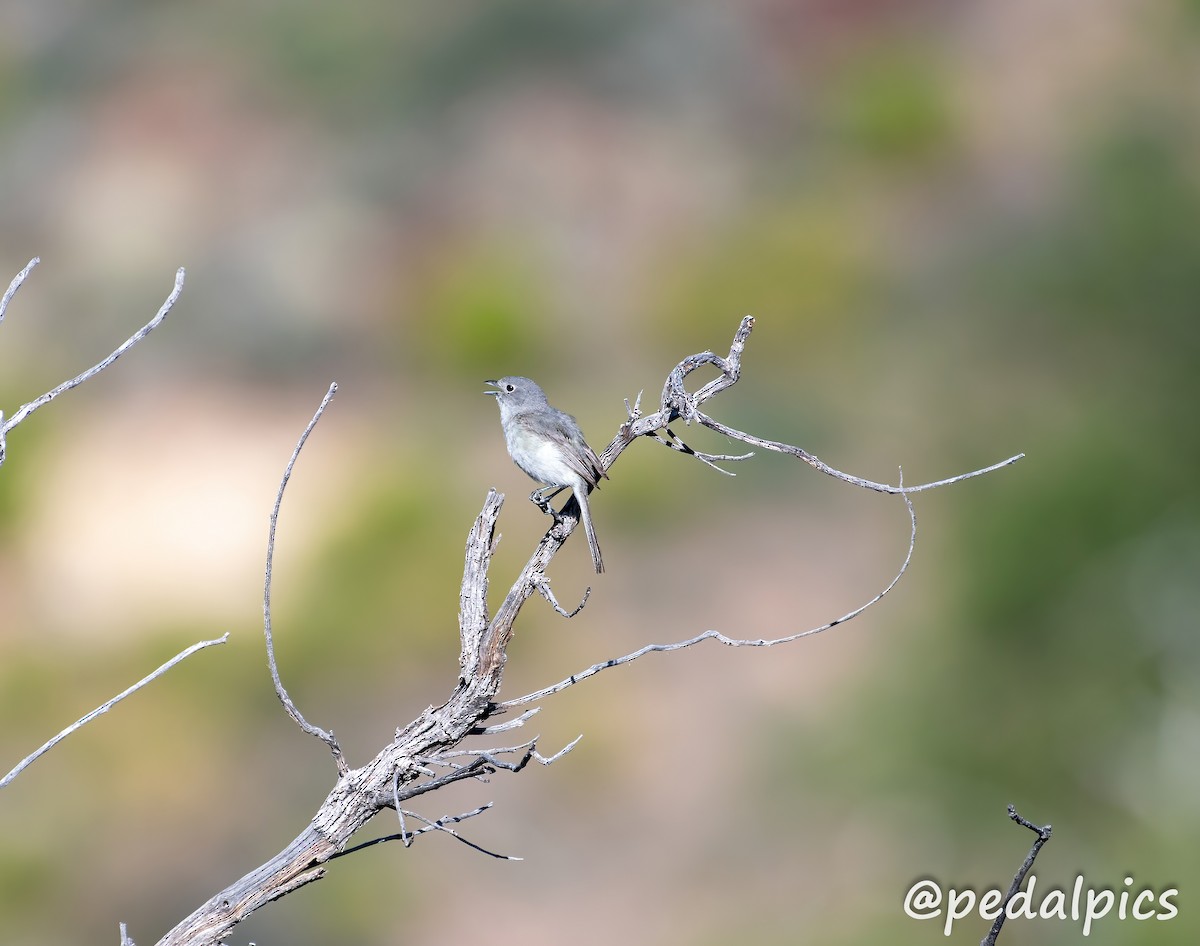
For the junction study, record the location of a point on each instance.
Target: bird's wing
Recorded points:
(582, 459)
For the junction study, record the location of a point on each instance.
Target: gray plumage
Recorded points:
(549, 446)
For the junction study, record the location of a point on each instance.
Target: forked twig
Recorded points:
(407, 837)
(483, 762)
(531, 755)
(528, 749)
(543, 586)
(1043, 835)
(708, 459)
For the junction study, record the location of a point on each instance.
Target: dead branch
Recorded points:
(402, 769)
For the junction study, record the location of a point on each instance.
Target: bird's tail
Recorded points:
(585, 513)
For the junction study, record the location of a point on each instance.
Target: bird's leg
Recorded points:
(539, 498)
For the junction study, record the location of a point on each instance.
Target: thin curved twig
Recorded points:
(326, 737)
(718, 636)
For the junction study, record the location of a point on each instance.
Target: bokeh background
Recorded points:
(966, 229)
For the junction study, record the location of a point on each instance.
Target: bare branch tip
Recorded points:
(542, 584)
(550, 760)
(16, 284)
(505, 727)
(1042, 831)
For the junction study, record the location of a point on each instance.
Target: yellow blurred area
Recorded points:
(964, 230)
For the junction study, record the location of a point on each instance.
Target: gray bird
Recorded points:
(549, 446)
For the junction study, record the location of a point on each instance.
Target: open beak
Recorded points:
(492, 393)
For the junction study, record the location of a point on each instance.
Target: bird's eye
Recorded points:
(510, 388)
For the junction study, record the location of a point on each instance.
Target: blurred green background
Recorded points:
(965, 230)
